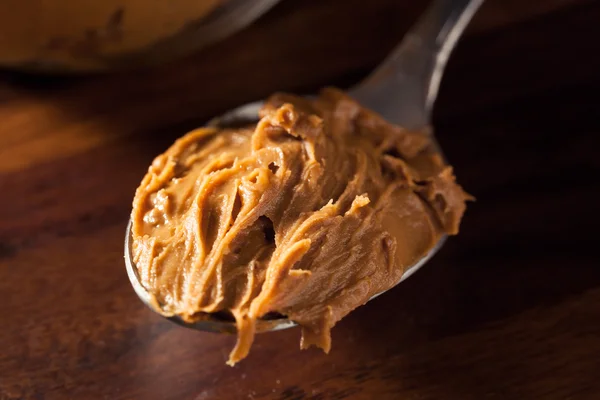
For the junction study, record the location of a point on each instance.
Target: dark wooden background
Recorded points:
(510, 309)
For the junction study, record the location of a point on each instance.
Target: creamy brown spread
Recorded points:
(319, 206)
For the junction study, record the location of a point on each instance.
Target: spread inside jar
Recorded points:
(307, 213)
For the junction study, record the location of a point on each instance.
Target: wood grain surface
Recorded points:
(509, 309)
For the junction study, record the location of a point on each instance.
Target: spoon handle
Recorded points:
(404, 86)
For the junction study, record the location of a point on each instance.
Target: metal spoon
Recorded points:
(402, 89)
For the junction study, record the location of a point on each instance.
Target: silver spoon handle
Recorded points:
(404, 86)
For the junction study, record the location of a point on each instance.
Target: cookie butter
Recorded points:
(319, 206)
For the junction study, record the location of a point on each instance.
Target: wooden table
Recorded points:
(510, 309)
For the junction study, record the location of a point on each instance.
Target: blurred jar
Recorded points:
(102, 35)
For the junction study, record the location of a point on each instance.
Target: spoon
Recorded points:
(402, 89)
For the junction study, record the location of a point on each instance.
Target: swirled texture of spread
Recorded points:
(308, 213)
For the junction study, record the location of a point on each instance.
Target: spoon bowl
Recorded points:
(402, 89)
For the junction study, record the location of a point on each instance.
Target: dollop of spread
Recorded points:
(307, 213)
